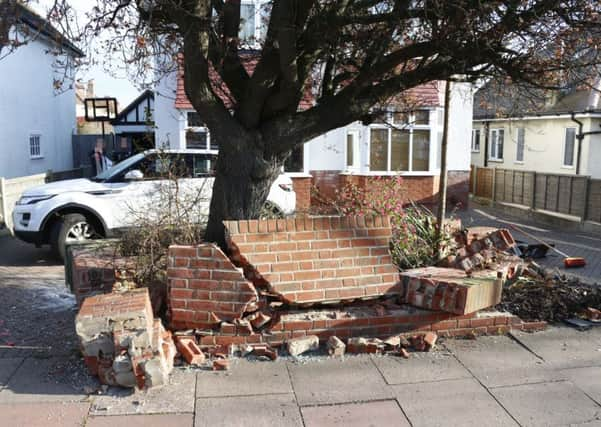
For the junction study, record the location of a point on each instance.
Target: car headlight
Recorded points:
(30, 200)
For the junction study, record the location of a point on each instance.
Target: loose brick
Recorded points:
(300, 345)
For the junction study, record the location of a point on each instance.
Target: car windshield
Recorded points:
(118, 168)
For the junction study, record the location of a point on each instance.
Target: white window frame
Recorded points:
(563, 148)
(40, 154)
(494, 142)
(474, 133)
(517, 145)
(260, 29)
(198, 129)
(410, 127)
(356, 155)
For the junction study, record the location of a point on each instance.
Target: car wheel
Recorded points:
(271, 211)
(71, 228)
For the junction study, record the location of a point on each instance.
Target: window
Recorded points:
(197, 136)
(476, 140)
(403, 147)
(421, 117)
(247, 22)
(352, 149)
(35, 149)
(519, 155)
(295, 162)
(497, 137)
(378, 150)
(568, 147)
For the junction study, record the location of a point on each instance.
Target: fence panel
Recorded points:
(593, 209)
(484, 182)
(567, 194)
(11, 191)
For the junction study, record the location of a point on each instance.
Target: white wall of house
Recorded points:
(29, 106)
(329, 151)
(544, 148)
(169, 121)
(593, 145)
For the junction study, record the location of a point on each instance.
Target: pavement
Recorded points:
(529, 379)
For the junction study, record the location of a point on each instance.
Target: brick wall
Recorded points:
(310, 260)
(93, 270)
(205, 288)
(302, 188)
(420, 189)
(368, 323)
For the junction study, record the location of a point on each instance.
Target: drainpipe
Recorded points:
(580, 137)
(486, 125)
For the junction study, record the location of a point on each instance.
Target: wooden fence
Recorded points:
(11, 189)
(574, 195)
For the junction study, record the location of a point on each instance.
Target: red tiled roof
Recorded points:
(249, 62)
(426, 95)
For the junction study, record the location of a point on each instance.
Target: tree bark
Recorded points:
(243, 178)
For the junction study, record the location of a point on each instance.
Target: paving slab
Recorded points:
(44, 380)
(381, 413)
(8, 367)
(586, 379)
(245, 378)
(500, 361)
(565, 347)
(548, 404)
(43, 414)
(421, 367)
(594, 423)
(267, 411)
(175, 397)
(327, 381)
(461, 402)
(160, 420)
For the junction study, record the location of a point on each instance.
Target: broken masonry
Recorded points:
(293, 283)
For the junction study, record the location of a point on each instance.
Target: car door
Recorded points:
(135, 201)
(197, 185)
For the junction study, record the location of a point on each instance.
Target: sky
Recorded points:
(105, 84)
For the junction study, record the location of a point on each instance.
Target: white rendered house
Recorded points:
(37, 118)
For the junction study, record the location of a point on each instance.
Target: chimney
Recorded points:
(90, 89)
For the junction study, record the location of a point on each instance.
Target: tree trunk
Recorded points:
(442, 186)
(243, 178)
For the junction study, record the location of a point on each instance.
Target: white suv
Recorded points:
(81, 209)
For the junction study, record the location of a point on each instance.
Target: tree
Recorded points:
(354, 55)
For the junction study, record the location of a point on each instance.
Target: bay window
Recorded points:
(402, 147)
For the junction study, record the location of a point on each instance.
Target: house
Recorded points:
(405, 141)
(83, 91)
(37, 114)
(548, 132)
(133, 127)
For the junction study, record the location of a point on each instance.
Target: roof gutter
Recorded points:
(580, 137)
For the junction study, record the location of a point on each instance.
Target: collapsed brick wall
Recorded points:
(205, 287)
(451, 290)
(121, 341)
(316, 260)
(367, 322)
